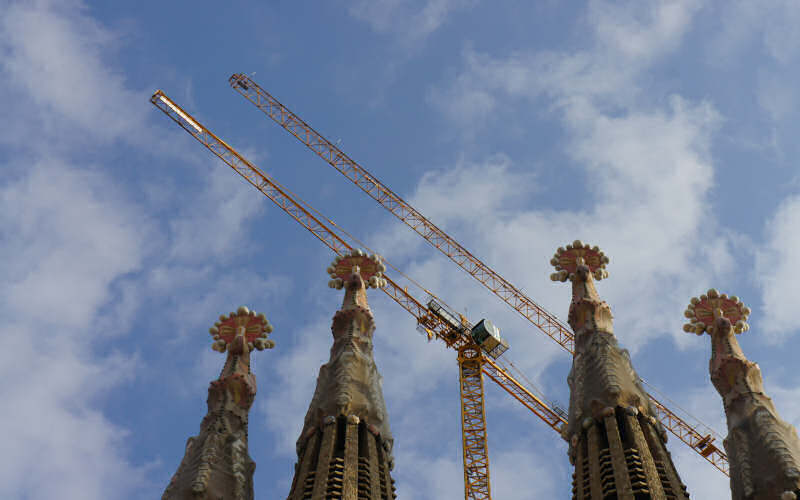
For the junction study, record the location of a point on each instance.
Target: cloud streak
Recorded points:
(411, 21)
(82, 255)
(53, 381)
(775, 264)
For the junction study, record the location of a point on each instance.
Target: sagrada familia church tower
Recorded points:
(764, 451)
(345, 449)
(217, 464)
(616, 444)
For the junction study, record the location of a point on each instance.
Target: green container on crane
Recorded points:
(487, 335)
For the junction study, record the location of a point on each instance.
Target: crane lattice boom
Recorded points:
(508, 293)
(282, 198)
(472, 363)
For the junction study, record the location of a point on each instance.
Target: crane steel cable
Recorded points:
(698, 422)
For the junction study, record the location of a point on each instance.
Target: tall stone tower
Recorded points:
(763, 450)
(217, 465)
(615, 442)
(345, 449)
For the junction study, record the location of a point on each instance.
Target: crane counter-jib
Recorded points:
(283, 198)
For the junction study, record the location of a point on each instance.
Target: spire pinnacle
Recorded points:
(216, 463)
(244, 327)
(764, 450)
(712, 310)
(345, 447)
(346, 267)
(575, 256)
(615, 442)
(582, 264)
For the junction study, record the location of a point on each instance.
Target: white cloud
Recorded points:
(80, 257)
(648, 174)
(214, 223)
(517, 473)
(639, 161)
(643, 179)
(641, 30)
(55, 55)
(410, 20)
(776, 94)
(781, 39)
(65, 229)
(769, 30)
(775, 264)
(770, 24)
(71, 236)
(785, 399)
(627, 39)
(71, 239)
(499, 190)
(430, 477)
(296, 374)
(57, 445)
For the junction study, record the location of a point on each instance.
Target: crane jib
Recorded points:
(508, 293)
(460, 339)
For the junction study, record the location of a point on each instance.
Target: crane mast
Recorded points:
(472, 361)
(473, 423)
(508, 293)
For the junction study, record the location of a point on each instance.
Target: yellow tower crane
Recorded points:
(502, 288)
(478, 345)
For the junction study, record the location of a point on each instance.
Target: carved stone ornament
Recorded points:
(763, 450)
(616, 444)
(216, 464)
(345, 448)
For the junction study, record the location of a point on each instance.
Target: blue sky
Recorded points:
(659, 130)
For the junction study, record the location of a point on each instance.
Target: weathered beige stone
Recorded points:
(216, 464)
(348, 410)
(763, 450)
(610, 415)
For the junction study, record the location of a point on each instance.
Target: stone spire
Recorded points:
(345, 448)
(763, 450)
(217, 465)
(615, 442)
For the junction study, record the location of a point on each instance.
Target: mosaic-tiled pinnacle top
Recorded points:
(611, 420)
(566, 261)
(349, 384)
(764, 450)
(369, 267)
(216, 463)
(248, 325)
(703, 311)
(355, 272)
(583, 264)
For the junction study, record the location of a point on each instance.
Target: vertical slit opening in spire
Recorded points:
(363, 434)
(341, 432)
